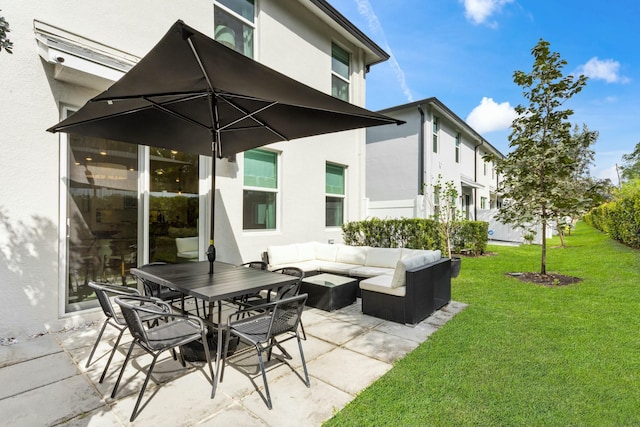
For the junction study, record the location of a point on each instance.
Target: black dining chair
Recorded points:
(113, 317)
(274, 324)
(179, 329)
(285, 291)
(164, 293)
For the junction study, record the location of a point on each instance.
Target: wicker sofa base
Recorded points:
(428, 289)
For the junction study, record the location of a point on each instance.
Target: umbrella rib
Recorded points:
(247, 114)
(161, 107)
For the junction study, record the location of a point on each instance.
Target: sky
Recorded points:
(464, 52)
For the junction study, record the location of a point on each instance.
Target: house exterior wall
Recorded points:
(394, 156)
(289, 38)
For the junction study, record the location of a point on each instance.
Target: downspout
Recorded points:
(421, 152)
(475, 179)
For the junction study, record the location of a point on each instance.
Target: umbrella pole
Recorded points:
(211, 251)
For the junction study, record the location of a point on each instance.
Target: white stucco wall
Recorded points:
(30, 223)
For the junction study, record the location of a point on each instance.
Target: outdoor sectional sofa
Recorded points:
(398, 284)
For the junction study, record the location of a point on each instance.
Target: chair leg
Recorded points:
(113, 351)
(264, 379)
(223, 356)
(304, 363)
(304, 334)
(93, 350)
(144, 386)
(124, 365)
(207, 353)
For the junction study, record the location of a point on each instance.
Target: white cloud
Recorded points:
(478, 11)
(607, 70)
(490, 116)
(365, 9)
(610, 172)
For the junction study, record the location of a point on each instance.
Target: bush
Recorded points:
(414, 233)
(471, 235)
(620, 218)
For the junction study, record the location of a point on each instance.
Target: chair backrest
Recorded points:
(255, 264)
(133, 306)
(291, 290)
(286, 315)
(104, 291)
(151, 289)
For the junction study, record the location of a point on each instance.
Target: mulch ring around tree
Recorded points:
(549, 279)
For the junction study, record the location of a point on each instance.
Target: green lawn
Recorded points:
(524, 354)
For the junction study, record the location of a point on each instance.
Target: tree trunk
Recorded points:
(543, 261)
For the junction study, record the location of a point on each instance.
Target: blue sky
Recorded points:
(464, 52)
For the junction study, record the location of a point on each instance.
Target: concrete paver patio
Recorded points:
(45, 382)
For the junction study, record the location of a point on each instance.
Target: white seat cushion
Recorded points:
(382, 284)
(370, 271)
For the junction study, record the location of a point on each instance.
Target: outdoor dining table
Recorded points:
(227, 281)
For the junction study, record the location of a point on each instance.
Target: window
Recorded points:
(340, 72)
(435, 134)
(493, 170)
(483, 203)
(234, 24)
(334, 187)
(260, 190)
(458, 147)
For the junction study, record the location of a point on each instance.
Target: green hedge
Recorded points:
(620, 218)
(415, 233)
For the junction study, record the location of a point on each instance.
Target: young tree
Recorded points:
(445, 211)
(4, 41)
(542, 159)
(574, 198)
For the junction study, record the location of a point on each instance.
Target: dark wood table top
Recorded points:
(227, 281)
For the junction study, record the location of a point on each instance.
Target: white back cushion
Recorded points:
(283, 254)
(326, 252)
(352, 254)
(383, 257)
(399, 276)
(307, 251)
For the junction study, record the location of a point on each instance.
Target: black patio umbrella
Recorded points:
(193, 94)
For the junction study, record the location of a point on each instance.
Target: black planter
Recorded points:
(455, 266)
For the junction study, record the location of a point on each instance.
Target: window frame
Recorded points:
(336, 74)
(436, 132)
(217, 4)
(255, 188)
(342, 197)
(457, 148)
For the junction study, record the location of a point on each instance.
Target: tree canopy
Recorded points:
(540, 176)
(631, 164)
(5, 43)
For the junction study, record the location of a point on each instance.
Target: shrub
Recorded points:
(414, 233)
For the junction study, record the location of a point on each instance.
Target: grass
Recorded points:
(524, 354)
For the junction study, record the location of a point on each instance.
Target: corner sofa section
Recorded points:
(398, 284)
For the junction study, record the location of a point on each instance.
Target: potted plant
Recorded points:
(448, 217)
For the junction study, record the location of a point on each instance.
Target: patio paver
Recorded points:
(345, 352)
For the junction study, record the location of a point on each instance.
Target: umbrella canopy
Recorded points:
(190, 91)
(193, 94)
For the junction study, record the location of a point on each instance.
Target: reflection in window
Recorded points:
(340, 72)
(260, 190)
(334, 188)
(102, 213)
(234, 24)
(173, 205)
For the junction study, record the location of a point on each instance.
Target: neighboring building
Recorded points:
(86, 208)
(404, 162)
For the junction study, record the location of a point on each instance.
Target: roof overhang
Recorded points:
(468, 182)
(79, 60)
(374, 54)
